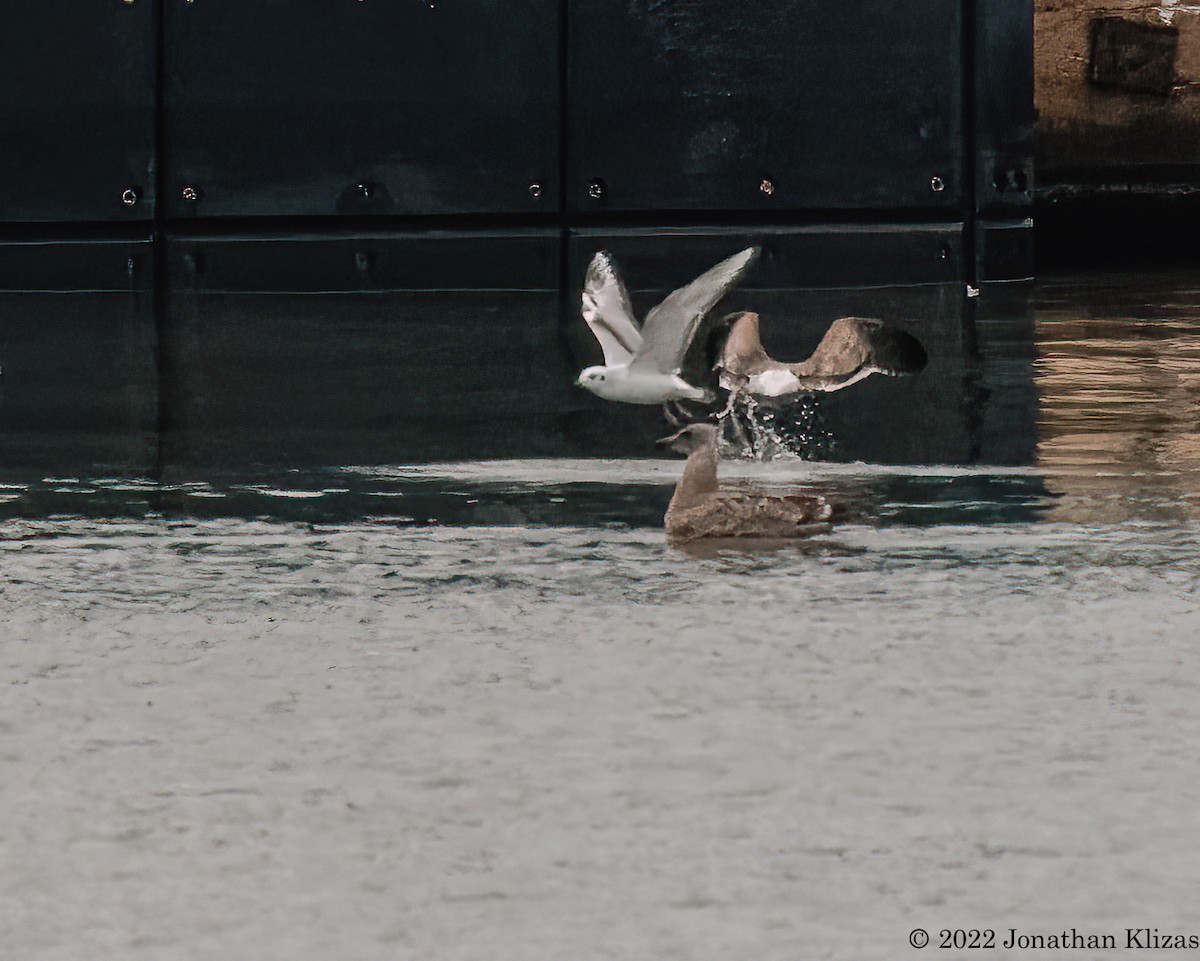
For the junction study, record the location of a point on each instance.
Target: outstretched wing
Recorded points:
(671, 325)
(743, 354)
(856, 347)
(608, 313)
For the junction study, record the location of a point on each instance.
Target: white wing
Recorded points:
(608, 313)
(671, 325)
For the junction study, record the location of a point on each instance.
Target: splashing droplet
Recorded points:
(756, 432)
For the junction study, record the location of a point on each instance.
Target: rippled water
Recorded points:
(483, 711)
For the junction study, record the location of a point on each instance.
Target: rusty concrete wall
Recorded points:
(1134, 115)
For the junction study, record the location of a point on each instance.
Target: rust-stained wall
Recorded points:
(1087, 131)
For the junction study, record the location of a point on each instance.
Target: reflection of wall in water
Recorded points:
(1119, 380)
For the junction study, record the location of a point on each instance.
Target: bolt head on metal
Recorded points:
(937, 184)
(535, 190)
(191, 194)
(596, 189)
(766, 186)
(129, 197)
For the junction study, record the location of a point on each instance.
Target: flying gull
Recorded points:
(700, 509)
(642, 366)
(852, 348)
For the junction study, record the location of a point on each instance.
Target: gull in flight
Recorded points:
(852, 348)
(642, 365)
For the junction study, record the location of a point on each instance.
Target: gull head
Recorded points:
(598, 380)
(692, 438)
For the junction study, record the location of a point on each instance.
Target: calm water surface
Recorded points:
(483, 711)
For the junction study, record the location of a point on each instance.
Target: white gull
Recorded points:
(642, 366)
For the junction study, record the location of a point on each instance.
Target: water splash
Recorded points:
(760, 432)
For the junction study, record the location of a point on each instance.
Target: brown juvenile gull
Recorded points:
(700, 509)
(852, 348)
(642, 365)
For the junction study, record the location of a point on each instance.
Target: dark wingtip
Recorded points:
(899, 353)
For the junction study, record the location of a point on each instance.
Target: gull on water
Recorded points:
(852, 348)
(700, 509)
(642, 366)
